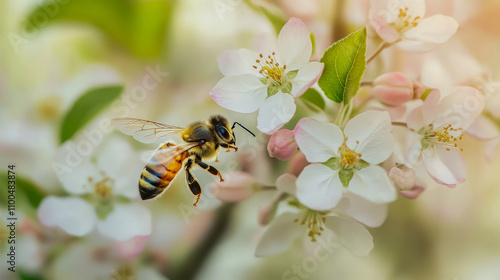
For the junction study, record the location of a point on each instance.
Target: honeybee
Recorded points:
(202, 141)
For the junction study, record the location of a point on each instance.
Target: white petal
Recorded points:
(460, 108)
(119, 162)
(74, 215)
(423, 115)
(126, 221)
(242, 93)
(373, 131)
(483, 129)
(389, 9)
(276, 111)
(351, 234)
(387, 32)
(73, 169)
(294, 44)
(238, 62)
(319, 187)
(279, 235)
(445, 167)
(306, 77)
(286, 183)
(416, 46)
(319, 141)
(366, 212)
(373, 184)
(435, 29)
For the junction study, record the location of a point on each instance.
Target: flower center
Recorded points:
(103, 190)
(348, 157)
(315, 222)
(48, 107)
(445, 135)
(270, 69)
(405, 21)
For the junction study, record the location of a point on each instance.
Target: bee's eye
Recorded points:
(223, 133)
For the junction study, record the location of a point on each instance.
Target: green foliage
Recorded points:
(345, 65)
(87, 107)
(140, 26)
(313, 99)
(26, 191)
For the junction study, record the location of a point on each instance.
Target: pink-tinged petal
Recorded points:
(276, 111)
(424, 114)
(435, 29)
(373, 184)
(126, 221)
(279, 235)
(72, 214)
(306, 77)
(403, 177)
(352, 235)
(297, 163)
(242, 93)
(282, 144)
(445, 167)
(489, 149)
(294, 44)
(286, 183)
(319, 187)
(393, 89)
(365, 211)
(387, 32)
(413, 193)
(319, 141)
(460, 108)
(389, 9)
(238, 62)
(483, 129)
(372, 129)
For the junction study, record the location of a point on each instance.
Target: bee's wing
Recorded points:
(143, 130)
(169, 151)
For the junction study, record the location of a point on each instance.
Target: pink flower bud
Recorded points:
(393, 88)
(237, 186)
(282, 144)
(297, 164)
(403, 177)
(412, 193)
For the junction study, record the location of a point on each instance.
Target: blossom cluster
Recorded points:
(398, 137)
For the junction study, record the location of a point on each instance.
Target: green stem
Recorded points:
(380, 49)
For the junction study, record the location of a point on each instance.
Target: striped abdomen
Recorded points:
(161, 170)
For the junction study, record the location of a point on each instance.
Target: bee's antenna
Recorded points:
(237, 123)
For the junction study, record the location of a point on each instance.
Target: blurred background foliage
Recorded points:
(55, 56)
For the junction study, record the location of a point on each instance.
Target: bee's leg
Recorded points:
(193, 184)
(212, 170)
(226, 146)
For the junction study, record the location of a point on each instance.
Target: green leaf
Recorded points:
(313, 42)
(87, 107)
(345, 65)
(139, 26)
(26, 191)
(345, 176)
(312, 96)
(27, 276)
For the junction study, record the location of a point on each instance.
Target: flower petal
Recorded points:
(319, 187)
(445, 167)
(72, 214)
(373, 184)
(237, 62)
(387, 32)
(424, 114)
(276, 111)
(389, 9)
(279, 235)
(373, 131)
(434, 29)
(241, 93)
(306, 77)
(294, 44)
(319, 141)
(460, 108)
(126, 221)
(351, 234)
(366, 212)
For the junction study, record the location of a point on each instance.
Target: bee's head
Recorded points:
(223, 131)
